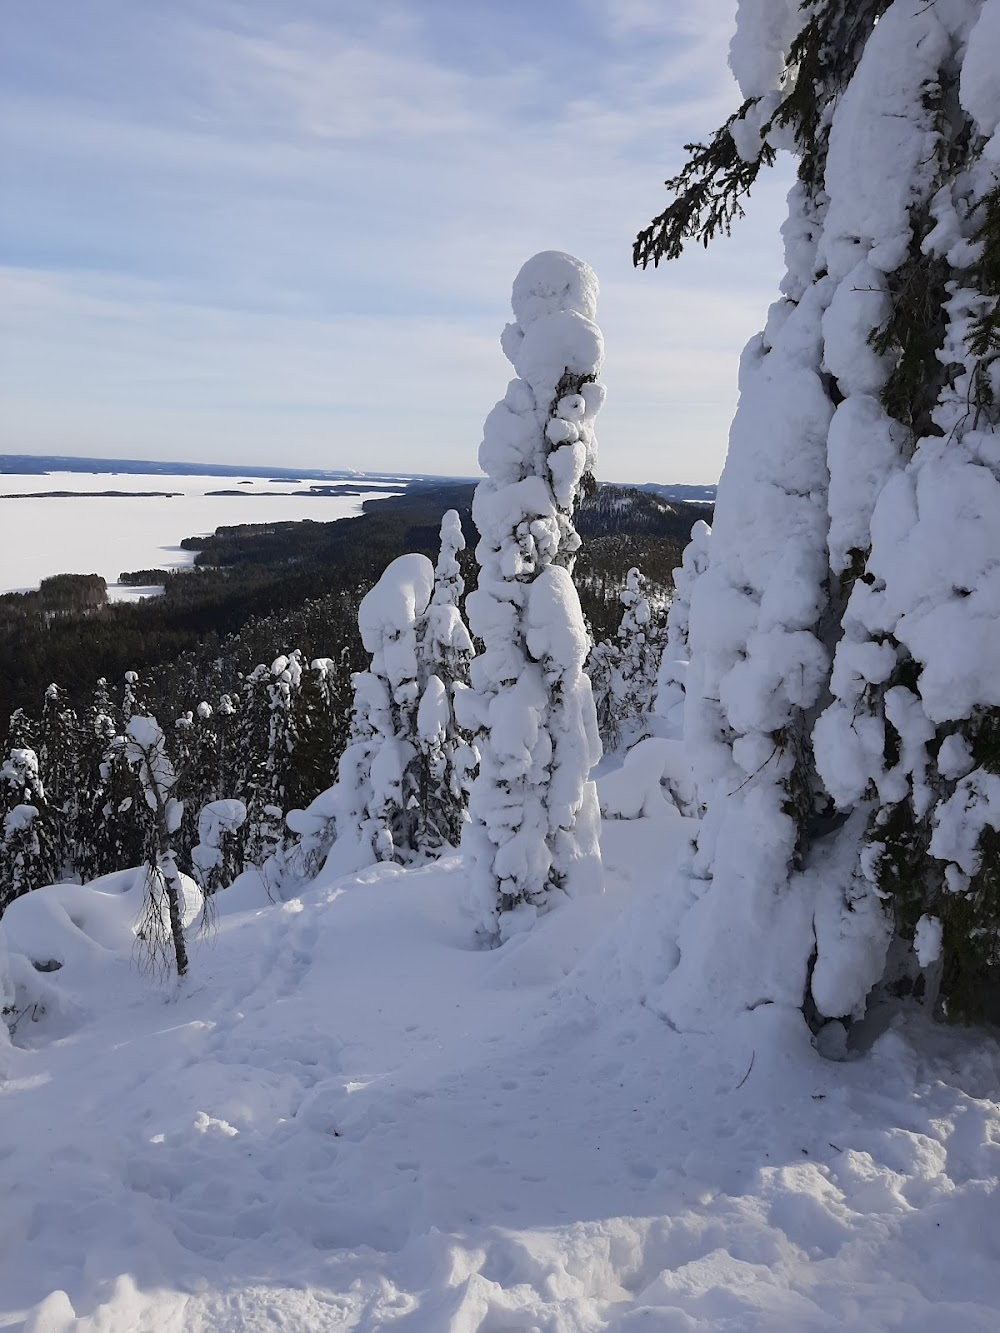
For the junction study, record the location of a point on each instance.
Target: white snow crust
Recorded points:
(345, 1119)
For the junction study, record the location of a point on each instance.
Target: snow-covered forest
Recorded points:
(551, 981)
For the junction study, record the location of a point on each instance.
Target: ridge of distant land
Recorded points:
(335, 491)
(695, 495)
(40, 464)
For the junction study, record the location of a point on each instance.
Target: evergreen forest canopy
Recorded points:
(258, 717)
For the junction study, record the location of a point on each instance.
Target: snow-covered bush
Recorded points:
(645, 783)
(314, 830)
(844, 696)
(217, 858)
(533, 831)
(64, 941)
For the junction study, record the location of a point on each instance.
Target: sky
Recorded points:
(239, 232)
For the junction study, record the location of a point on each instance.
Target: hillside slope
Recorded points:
(346, 1119)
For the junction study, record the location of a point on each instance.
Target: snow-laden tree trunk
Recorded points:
(843, 696)
(533, 830)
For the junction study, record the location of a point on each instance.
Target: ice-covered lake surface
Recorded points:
(86, 532)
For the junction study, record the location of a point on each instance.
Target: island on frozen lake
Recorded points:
(107, 516)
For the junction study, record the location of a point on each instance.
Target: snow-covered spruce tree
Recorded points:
(622, 672)
(847, 631)
(225, 725)
(346, 820)
(109, 833)
(602, 668)
(671, 683)
(22, 731)
(534, 821)
(389, 618)
(22, 802)
(196, 755)
(59, 766)
(639, 654)
(372, 813)
(320, 721)
(133, 695)
(267, 743)
(146, 753)
(444, 756)
(19, 852)
(323, 718)
(217, 856)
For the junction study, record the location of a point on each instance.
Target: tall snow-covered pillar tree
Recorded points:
(533, 830)
(846, 634)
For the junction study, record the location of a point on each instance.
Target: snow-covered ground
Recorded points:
(348, 1119)
(86, 533)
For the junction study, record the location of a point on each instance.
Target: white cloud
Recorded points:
(312, 252)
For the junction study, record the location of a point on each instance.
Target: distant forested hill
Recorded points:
(260, 589)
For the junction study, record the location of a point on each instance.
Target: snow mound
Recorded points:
(347, 1119)
(64, 940)
(638, 788)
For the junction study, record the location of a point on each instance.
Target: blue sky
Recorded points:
(240, 231)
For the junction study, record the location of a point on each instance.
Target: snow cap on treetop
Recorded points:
(550, 282)
(399, 597)
(451, 530)
(554, 299)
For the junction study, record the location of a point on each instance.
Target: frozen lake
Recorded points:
(88, 533)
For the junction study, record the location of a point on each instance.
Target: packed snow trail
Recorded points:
(346, 1119)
